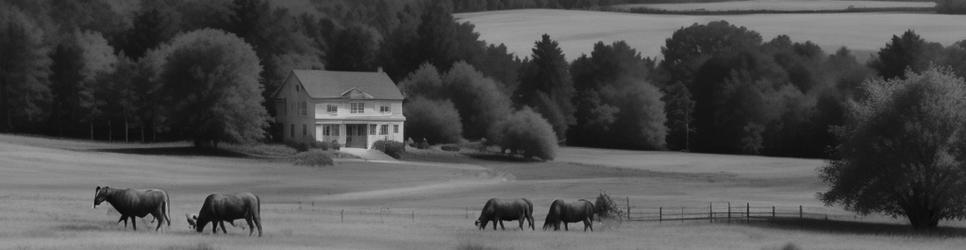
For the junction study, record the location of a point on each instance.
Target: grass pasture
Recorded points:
(779, 5)
(47, 188)
(577, 31)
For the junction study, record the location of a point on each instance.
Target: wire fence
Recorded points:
(714, 212)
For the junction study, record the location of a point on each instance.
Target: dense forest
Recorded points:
(202, 71)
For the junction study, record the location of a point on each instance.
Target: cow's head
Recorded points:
(192, 220)
(100, 194)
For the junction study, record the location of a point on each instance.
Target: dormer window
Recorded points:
(331, 108)
(385, 109)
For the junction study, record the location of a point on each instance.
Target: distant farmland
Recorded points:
(783, 5)
(577, 31)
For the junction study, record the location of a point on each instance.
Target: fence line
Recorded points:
(714, 212)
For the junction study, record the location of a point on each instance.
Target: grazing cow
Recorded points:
(132, 203)
(499, 210)
(219, 208)
(560, 211)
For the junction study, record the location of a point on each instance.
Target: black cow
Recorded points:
(499, 210)
(560, 211)
(219, 208)
(132, 203)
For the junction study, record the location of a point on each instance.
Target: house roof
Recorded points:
(336, 84)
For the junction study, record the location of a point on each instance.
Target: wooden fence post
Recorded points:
(729, 212)
(772, 212)
(682, 215)
(628, 207)
(710, 213)
(801, 218)
(747, 212)
(660, 214)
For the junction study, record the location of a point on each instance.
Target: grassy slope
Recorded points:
(577, 31)
(47, 194)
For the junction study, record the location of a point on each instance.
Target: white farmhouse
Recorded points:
(355, 109)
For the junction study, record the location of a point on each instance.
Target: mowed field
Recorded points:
(47, 189)
(577, 31)
(782, 5)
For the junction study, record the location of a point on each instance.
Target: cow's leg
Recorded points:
(214, 227)
(501, 225)
(124, 219)
(588, 224)
(134, 223)
(495, 221)
(222, 224)
(251, 227)
(160, 221)
(522, 219)
(565, 226)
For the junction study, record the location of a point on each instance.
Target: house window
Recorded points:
(331, 108)
(372, 129)
(356, 108)
(304, 108)
(305, 130)
(384, 109)
(291, 130)
(330, 130)
(395, 128)
(384, 129)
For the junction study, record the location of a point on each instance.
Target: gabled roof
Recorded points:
(336, 84)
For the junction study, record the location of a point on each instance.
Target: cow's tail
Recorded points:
(258, 214)
(167, 208)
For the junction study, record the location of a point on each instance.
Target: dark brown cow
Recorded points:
(499, 210)
(132, 203)
(219, 208)
(560, 211)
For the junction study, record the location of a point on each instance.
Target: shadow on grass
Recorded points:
(176, 151)
(862, 228)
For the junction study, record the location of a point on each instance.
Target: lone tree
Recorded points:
(209, 88)
(903, 150)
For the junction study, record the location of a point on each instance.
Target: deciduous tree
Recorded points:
(903, 150)
(209, 88)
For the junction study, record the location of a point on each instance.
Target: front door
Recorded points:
(356, 135)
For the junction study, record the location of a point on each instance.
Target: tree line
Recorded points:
(83, 69)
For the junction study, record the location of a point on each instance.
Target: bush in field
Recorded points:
(313, 158)
(433, 120)
(903, 151)
(527, 133)
(605, 207)
(391, 148)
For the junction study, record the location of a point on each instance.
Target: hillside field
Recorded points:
(782, 5)
(47, 188)
(577, 31)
